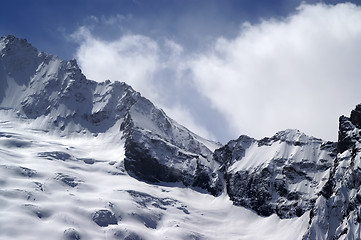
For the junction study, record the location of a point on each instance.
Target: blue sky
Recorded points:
(46, 23)
(221, 68)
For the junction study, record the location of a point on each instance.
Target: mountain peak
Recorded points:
(19, 61)
(264, 175)
(290, 136)
(355, 116)
(56, 95)
(348, 133)
(340, 202)
(10, 42)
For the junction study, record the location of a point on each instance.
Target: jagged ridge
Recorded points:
(282, 174)
(289, 174)
(337, 212)
(58, 96)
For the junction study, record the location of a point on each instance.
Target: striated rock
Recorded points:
(157, 149)
(283, 174)
(104, 218)
(71, 234)
(336, 214)
(68, 180)
(355, 116)
(345, 139)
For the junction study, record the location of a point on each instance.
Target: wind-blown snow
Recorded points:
(55, 187)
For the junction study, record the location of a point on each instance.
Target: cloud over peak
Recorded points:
(296, 72)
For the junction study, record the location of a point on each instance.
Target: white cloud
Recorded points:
(299, 72)
(132, 58)
(138, 61)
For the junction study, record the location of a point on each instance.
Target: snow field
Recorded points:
(53, 186)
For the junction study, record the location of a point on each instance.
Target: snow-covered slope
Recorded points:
(282, 174)
(73, 188)
(59, 98)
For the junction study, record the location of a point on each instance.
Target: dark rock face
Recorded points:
(143, 165)
(17, 143)
(26, 172)
(57, 155)
(345, 140)
(71, 234)
(355, 116)
(233, 150)
(289, 159)
(148, 161)
(336, 214)
(68, 180)
(104, 218)
(133, 236)
(147, 201)
(165, 151)
(21, 171)
(251, 191)
(261, 191)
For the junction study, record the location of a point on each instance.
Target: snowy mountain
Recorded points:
(57, 187)
(58, 96)
(81, 159)
(283, 174)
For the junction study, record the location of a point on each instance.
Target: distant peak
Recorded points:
(8, 38)
(348, 133)
(292, 136)
(13, 46)
(355, 116)
(289, 133)
(12, 40)
(245, 138)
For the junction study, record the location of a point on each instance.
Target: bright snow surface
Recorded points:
(52, 187)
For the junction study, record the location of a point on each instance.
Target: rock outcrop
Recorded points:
(282, 174)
